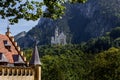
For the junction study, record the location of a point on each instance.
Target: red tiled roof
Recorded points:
(6, 52)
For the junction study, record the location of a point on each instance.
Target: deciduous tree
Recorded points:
(32, 10)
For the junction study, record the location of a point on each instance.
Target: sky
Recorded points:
(22, 25)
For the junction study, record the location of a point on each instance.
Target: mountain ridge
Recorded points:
(80, 23)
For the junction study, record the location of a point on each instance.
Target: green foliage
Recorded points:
(116, 42)
(93, 60)
(17, 9)
(28, 54)
(31, 10)
(106, 65)
(82, 66)
(111, 7)
(115, 33)
(97, 45)
(67, 66)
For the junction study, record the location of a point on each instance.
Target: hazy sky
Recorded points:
(23, 25)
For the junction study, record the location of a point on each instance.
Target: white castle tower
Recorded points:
(58, 38)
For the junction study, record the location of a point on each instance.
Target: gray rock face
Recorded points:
(20, 35)
(80, 22)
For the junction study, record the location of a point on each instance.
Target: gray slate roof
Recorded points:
(3, 58)
(18, 59)
(35, 60)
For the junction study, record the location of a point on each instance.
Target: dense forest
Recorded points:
(96, 59)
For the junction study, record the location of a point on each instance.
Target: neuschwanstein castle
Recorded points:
(58, 38)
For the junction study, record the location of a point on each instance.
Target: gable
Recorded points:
(5, 44)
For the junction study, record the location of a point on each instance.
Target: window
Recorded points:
(5, 41)
(7, 45)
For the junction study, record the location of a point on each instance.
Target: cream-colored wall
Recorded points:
(38, 72)
(17, 73)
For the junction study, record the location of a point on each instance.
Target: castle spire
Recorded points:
(8, 31)
(35, 60)
(56, 32)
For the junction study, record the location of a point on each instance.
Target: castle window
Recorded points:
(18, 61)
(7, 45)
(5, 41)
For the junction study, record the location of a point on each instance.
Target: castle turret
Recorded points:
(8, 33)
(35, 62)
(52, 40)
(56, 32)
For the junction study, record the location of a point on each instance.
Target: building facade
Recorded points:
(13, 64)
(58, 38)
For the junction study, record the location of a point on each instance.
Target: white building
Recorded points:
(59, 38)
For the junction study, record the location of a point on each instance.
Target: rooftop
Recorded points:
(8, 53)
(9, 48)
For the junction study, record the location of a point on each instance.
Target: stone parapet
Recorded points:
(16, 71)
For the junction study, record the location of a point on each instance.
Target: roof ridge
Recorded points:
(11, 38)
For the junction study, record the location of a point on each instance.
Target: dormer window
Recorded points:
(5, 41)
(7, 45)
(18, 61)
(3, 59)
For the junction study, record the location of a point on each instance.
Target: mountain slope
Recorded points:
(80, 22)
(20, 35)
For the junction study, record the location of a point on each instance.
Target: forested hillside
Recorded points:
(97, 59)
(80, 22)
